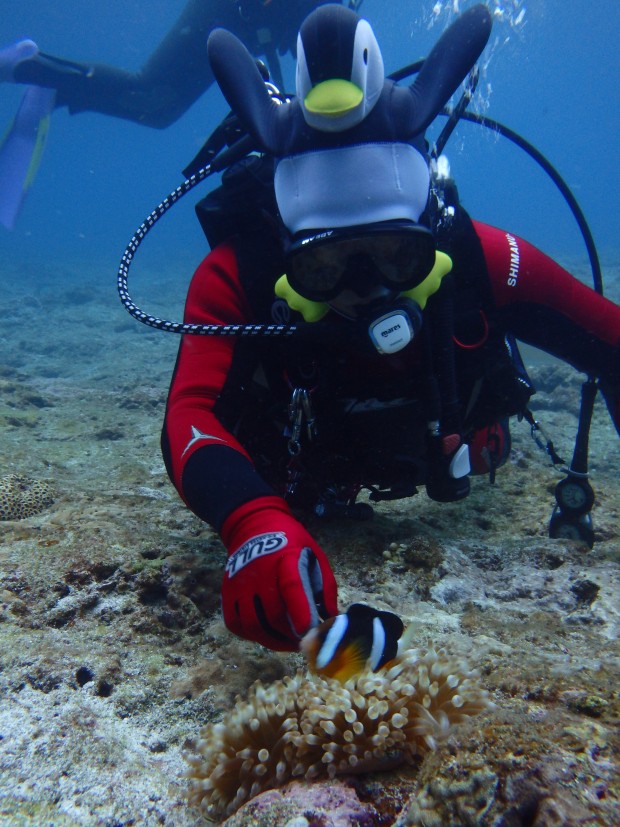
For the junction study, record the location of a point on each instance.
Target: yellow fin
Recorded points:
(37, 154)
(349, 662)
(408, 637)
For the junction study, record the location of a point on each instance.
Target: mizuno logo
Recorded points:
(197, 436)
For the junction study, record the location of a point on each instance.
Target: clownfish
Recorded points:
(345, 644)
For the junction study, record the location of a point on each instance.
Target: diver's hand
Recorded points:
(278, 583)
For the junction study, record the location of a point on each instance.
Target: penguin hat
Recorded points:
(349, 147)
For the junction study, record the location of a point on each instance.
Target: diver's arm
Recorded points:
(210, 469)
(172, 79)
(542, 304)
(277, 582)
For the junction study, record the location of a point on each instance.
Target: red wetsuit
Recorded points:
(508, 286)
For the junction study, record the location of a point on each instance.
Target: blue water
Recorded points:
(553, 75)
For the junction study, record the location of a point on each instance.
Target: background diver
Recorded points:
(171, 80)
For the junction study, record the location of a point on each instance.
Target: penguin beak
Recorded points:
(333, 98)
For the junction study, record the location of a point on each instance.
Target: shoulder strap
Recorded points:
(244, 201)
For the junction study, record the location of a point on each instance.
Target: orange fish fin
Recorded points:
(350, 661)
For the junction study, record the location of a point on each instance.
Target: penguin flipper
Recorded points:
(243, 87)
(448, 64)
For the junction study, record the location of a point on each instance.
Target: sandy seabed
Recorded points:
(113, 653)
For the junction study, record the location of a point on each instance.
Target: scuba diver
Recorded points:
(401, 369)
(178, 71)
(171, 80)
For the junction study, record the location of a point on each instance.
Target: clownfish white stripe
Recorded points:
(378, 644)
(332, 641)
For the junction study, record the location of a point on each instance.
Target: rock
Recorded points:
(329, 804)
(518, 769)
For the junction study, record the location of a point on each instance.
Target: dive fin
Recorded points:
(22, 149)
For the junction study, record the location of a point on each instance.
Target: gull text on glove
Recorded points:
(257, 546)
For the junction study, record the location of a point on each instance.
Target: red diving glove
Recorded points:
(278, 583)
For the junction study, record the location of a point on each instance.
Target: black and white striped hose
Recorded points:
(181, 327)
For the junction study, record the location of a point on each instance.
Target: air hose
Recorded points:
(236, 151)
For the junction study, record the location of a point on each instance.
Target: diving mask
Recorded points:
(397, 255)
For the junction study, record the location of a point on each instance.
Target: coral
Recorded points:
(511, 772)
(306, 726)
(22, 497)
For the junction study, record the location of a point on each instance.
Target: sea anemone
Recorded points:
(307, 726)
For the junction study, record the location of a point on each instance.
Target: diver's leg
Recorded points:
(173, 78)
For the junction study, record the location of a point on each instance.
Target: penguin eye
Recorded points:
(366, 56)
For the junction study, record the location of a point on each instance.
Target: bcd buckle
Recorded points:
(302, 420)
